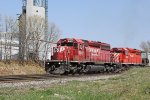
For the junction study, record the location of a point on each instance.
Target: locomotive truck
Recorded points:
(83, 56)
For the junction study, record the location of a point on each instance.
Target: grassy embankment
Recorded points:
(14, 68)
(131, 85)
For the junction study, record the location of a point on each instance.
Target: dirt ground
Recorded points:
(14, 68)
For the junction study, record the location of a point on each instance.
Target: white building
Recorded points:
(9, 48)
(34, 7)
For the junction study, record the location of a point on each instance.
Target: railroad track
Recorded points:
(39, 77)
(21, 78)
(42, 77)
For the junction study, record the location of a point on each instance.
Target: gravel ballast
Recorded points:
(49, 82)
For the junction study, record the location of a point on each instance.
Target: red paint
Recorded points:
(81, 51)
(126, 56)
(70, 49)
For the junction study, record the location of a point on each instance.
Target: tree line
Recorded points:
(33, 42)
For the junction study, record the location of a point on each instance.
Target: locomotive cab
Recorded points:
(116, 55)
(67, 49)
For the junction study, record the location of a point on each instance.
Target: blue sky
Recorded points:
(121, 23)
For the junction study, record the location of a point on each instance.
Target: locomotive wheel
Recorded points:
(74, 69)
(59, 70)
(108, 68)
(127, 67)
(50, 69)
(87, 69)
(118, 68)
(80, 69)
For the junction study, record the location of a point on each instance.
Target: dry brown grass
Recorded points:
(14, 68)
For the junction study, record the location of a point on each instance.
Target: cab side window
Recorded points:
(75, 45)
(126, 52)
(81, 46)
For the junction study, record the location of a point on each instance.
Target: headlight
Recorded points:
(47, 63)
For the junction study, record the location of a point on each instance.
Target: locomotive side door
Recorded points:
(81, 52)
(125, 60)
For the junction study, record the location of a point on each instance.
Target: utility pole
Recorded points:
(1, 52)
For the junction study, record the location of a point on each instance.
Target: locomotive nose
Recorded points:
(58, 49)
(59, 53)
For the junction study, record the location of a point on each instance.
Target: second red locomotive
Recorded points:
(82, 56)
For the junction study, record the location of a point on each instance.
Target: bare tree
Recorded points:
(53, 32)
(145, 46)
(22, 37)
(35, 33)
(32, 31)
(11, 27)
(52, 37)
(148, 43)
(34, 42)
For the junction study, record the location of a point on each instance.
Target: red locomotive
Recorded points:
(82, 56)
(126, 56)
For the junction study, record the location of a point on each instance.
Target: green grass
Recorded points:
(131, 85)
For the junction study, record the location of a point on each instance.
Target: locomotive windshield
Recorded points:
(117, 51)
(69, 44)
